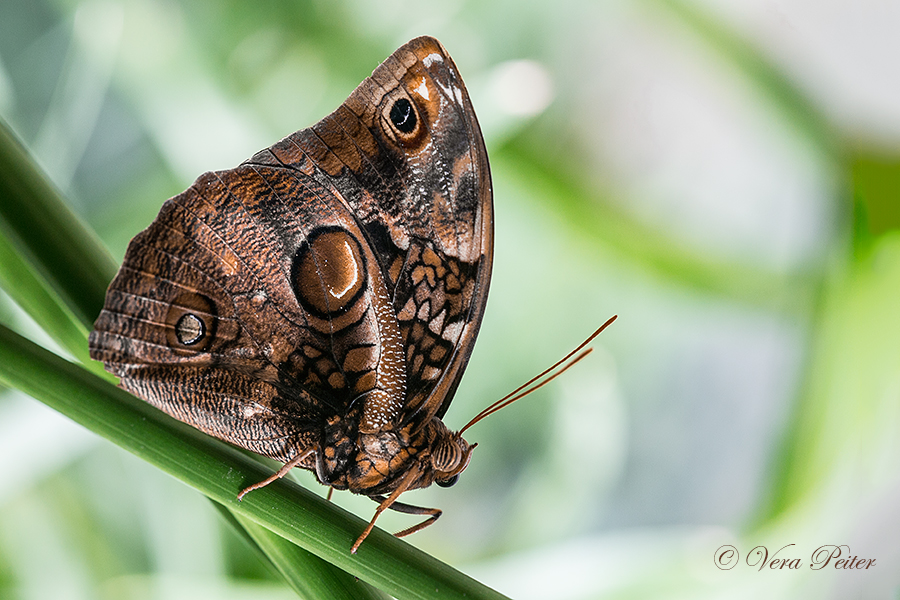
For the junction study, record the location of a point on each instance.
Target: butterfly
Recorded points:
(318, 304)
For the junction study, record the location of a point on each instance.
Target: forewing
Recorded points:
(420, 189)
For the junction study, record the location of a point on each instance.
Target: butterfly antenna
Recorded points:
(535, 382)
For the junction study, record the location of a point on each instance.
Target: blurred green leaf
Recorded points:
(768, 79)
(876, 190)
(849, 406)
(28, 291)
(37, 221)
(606, 229)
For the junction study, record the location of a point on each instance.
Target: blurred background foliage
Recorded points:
(723, 176)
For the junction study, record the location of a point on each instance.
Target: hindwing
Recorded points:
(342, 270)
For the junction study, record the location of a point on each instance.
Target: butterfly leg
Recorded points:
(385, 504)
(330, 492)
(409, 509)
(281, 473)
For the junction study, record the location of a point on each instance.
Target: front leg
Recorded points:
(409, 509)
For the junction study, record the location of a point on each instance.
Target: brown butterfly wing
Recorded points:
(424, 199)
(350, 259)
(213, 319)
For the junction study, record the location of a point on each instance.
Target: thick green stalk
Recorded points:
(29, 291)
(220, 472)
(69, 257)
(308, 575)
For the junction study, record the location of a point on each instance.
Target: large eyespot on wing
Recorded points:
(400, 120)
(329, 273)
(191, 322)
(406, 154)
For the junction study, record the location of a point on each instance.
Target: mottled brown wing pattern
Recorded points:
(340, 274)
(265, 362)
(423, 197)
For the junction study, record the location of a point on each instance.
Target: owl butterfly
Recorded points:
(318, 303)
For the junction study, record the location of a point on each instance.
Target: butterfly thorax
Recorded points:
(376, 463)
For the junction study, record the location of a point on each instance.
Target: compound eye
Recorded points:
(448, 482)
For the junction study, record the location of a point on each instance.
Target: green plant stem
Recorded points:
(220, 472)
(311, 577)
(46, 279)
(319, 578)
(67, 254)
(30, 292)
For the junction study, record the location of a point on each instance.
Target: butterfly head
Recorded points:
(450, 456)
(442, 455)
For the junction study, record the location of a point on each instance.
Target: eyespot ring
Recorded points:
(329, 272)
(402, 120)
(191, 323)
